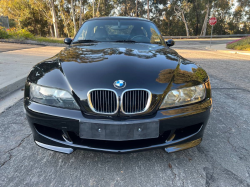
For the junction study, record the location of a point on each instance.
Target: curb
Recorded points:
(6, 90)
(17, 42)
(228, 51)
(33, 43)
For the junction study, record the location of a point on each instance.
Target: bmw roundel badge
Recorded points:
(119, 84)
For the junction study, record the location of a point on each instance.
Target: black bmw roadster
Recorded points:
(117, 87)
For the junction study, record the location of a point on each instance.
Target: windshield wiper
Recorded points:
(129, 41)
(85, 41)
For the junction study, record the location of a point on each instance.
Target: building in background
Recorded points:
(4, 21)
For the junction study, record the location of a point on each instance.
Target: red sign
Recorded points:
(212, 21)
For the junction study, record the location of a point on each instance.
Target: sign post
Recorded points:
(212, 22)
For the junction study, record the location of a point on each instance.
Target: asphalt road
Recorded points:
(222, 159)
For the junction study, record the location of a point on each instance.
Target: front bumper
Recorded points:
(179, 128)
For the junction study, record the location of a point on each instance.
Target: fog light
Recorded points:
(183, 146)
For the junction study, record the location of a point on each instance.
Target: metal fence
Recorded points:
(4, 21)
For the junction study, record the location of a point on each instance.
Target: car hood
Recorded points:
(82, 67)
(99, 65)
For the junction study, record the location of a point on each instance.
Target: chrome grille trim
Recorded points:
(99, 102)
(141, 98)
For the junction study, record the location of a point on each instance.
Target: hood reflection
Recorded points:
(182, 76)
(83, 67)
(99, 52)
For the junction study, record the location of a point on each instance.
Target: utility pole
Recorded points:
(148, 8)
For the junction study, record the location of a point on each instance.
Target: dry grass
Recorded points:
(242, 44)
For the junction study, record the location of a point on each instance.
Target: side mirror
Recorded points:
(67, 41)
(170, 42)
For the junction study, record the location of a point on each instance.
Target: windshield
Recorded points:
(115, 30)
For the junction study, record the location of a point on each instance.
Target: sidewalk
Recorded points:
(222, 48)
(15, 65)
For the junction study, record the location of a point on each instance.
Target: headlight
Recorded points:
(184, 96)
(52, 97)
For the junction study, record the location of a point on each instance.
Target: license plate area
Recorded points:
(121, 131)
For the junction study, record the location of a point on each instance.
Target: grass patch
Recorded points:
(23, 34)
(19, 34)
(48, 40)
(241, 44)
(3, 33)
